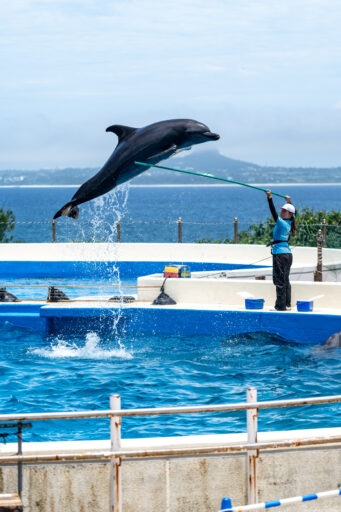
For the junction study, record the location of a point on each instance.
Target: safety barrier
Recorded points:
(226, 504)
(116, 454)
(177, 230)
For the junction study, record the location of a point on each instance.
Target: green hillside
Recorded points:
(206, 161)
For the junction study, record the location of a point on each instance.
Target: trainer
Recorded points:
(281, 253)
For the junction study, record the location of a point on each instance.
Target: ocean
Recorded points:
(150, 213)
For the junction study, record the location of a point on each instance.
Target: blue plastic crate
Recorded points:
(254, 303)
(305, 305)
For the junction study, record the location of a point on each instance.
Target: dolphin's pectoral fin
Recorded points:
(163, 154)
(121, 131)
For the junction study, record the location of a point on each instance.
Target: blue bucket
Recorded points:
(254, 303)
(305, 305)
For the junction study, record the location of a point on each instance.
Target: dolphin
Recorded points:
(333, 341)
(150, 144)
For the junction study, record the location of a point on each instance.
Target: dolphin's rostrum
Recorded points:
(149, 144)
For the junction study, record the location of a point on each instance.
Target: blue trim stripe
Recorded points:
(278, 503)
(309, 497)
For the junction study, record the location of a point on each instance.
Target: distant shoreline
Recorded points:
(190, 185)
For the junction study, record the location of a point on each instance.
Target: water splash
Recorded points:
(104, 214)
(112, 207)
(90, 350)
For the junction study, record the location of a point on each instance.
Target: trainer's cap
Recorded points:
(289, 207)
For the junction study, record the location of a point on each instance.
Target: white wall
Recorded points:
(216, 253)
(178, 484)
(225, 291)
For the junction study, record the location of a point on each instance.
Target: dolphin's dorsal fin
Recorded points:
(121, 131)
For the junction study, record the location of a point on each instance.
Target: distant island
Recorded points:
(205, 161)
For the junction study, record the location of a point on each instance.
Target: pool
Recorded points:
(75, 372)
(72, 356)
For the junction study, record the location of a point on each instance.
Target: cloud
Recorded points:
(75, 66)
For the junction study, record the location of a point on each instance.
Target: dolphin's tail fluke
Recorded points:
(68, 210)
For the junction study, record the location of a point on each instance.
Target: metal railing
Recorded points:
(7, 430)
(117, 454)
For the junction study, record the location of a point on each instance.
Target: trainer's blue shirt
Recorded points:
(281, 232)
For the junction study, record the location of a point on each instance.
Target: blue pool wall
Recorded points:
(23, 315)
(303, 328)
(102, 269)
(296, 327)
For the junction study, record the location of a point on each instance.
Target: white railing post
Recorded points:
(252, 428)
(115, 464)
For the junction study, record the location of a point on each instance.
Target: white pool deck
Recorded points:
(106, 304)
(211, 253)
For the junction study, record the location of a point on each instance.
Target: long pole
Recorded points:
(210, 176)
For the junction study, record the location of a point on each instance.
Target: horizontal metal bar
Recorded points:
(171, 452)
(15, 425)
(155, 411)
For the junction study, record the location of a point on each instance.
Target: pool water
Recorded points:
(80, 372)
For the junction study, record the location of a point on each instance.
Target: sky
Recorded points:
(264, 74)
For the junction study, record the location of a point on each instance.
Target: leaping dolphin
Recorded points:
(150, 144)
